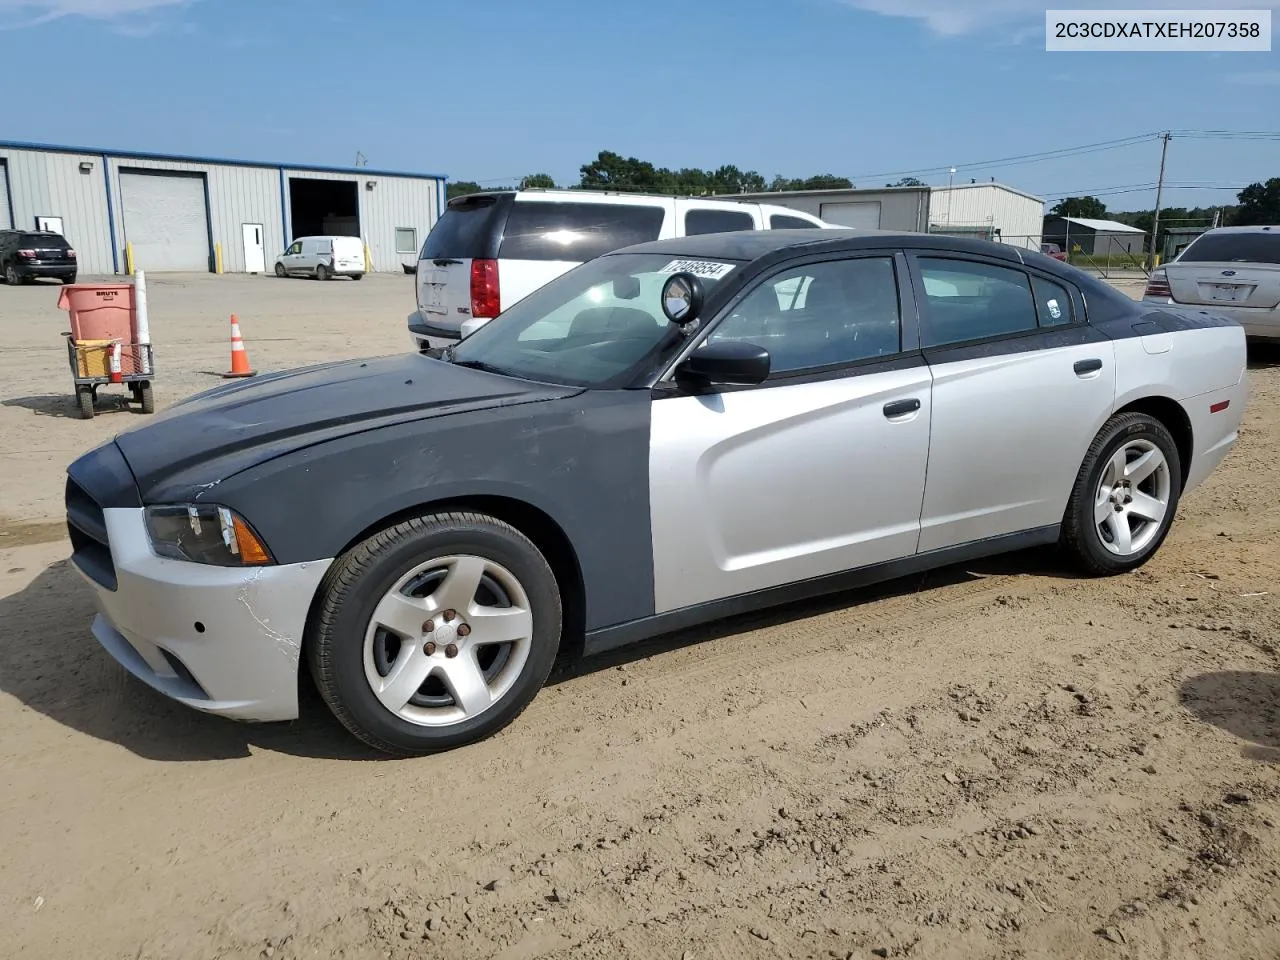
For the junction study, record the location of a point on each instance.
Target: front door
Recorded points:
(255, 253)
(817, 470)
(292, 257)
(1021, 386)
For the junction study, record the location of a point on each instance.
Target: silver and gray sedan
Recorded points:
(1235, 271)
(666, 435)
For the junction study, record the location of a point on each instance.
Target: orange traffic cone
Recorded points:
(239, 359)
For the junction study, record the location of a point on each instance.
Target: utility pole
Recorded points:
(1155, 223)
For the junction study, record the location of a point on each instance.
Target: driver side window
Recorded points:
(820, 315)
(295, 249)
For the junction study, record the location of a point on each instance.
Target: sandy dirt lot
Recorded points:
(998, 760)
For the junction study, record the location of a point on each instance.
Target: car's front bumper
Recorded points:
(223, 640)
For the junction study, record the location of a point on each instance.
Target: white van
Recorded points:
(322, 258)
(490, 250)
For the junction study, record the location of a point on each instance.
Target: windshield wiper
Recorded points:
(476, 365)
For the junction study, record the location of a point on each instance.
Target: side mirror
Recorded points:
(725, 361)
(682, 298)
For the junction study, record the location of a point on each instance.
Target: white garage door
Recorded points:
(165, 220)
(863, 214)
(6, 220)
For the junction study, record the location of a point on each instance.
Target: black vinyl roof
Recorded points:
(754, 244)
(749, 246)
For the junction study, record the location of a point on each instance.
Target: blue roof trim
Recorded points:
(222, 161)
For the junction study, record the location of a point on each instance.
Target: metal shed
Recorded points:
(992, 211)
(893, 208)
(181, 213)
(1098, 238)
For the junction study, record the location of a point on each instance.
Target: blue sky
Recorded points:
(493, 89)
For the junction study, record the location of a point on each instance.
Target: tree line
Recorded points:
(1257, 204)
(612, 171)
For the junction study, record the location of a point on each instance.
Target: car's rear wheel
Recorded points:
(435, 633)
(322, 272)
(1125, 495)
(11, 275)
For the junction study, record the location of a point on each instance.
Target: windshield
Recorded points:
(596, 326)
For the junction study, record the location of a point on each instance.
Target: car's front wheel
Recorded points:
(280, 271)
(435, 632)
(1125, 496)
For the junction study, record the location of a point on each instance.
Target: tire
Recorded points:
(146, 397)
(357, 276)
(280, 270)
(84, 401)
(1101, 510)
(349, 651)
(11, 275)
(67, 281)
(322, 272)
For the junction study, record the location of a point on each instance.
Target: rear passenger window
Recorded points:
(1053, 303)
(576, 231)
(780, 221)
(966, 300)
(717, 221)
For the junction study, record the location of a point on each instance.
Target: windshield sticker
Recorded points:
(700, 268)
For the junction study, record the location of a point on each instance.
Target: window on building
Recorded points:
(406, 240)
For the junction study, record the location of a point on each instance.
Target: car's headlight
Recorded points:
(205, 533)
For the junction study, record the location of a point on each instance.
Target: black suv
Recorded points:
(27, 254)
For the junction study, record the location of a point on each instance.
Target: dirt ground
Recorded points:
(989, 761)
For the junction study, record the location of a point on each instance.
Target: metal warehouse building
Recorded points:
(176, 213)
(1101, 238)
(993, 211)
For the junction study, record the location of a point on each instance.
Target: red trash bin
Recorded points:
(105, 311)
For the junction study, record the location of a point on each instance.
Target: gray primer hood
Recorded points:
(203, 440)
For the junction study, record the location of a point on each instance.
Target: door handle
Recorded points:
(900, 408)
(1092, 365)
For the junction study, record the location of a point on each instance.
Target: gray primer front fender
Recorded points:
(582, 460)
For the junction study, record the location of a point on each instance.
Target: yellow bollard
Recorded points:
(217, 258)
(128, 259)
(368, 260)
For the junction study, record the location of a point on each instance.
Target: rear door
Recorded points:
(549, 234)
(471, 229)
(1021, 385)
(50, 248)
(348, 254)
(1239, 269)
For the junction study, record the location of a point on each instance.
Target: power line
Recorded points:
(1061, 153)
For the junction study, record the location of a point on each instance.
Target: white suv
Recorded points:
(491, 249)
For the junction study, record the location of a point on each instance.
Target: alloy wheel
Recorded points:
(448, 640)
(1132, 498)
